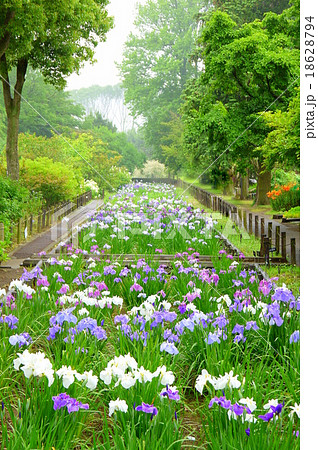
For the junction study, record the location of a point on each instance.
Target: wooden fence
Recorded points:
(277, 241)
(34, 224)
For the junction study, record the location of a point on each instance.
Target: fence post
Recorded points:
(262, 226)
(250, 223)
(293, 251)
(256, 226)
(270, 230)
(19, 231)
(277, 241)
(1, 231)
(283, 234)
(245, 219)
(31, 224)
(39, 223)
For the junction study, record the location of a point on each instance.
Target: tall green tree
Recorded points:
(53, 37)
(156, 64)
(246, 70)
(244, 11)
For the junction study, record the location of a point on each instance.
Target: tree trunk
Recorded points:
(12, 105)
(244, 187)
(263, 185)
(12, 153)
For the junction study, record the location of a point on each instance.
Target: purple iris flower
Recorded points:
(238, 409)
(72, 404)
(266, 417)
(248, 431)
(274, 410)
(135, 287)
(121, 318)
(53, 331)
(63, 316)
(149, 409)
(239, 337)
(220, 321)
(265, 287)
(237, 283)
(283, 295)
(109, 270)
(238, 329)
(11, 320)
(212, 338)
(251, 324)
(222, 401)
(117, 280)
(42, 281)
(172, 395)
(294, 337)
(169, 347)
(64, 289)
(21, 339)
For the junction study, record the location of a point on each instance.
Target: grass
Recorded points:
(287, 274)
(247, 244)
(245, 204)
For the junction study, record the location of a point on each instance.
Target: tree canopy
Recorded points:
(247, 70)
(53, 37)
(156, 64)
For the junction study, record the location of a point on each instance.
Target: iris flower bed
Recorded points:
(99, 354)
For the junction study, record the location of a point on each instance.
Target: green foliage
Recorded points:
(281, 177)
(285, 197)
(246, 69)
(151, 169)
(282, 144)
(156, 63)
(131, 157)
(54, 105)
(55, 38)
(54, 180)
(243, 11)
(293, 213)
(16, 200)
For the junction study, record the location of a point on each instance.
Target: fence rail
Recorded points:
(34, 224)
(241, 217)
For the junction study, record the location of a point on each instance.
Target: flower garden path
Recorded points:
(11, 268)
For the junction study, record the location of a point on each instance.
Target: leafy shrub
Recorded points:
(284, 197)
(117, 176)
(56, 181)
(92, 186)
(280, 177)
(293, 213)
(16, 202)
(151, 169)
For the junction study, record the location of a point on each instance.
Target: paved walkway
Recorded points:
(48, 239)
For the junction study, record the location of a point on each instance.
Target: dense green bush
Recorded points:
(284, 197)
(56, 181)
(16, 201)
(293, 213)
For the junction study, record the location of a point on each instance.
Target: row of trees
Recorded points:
(217, 83)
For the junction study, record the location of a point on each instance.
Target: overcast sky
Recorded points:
(104, 71)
